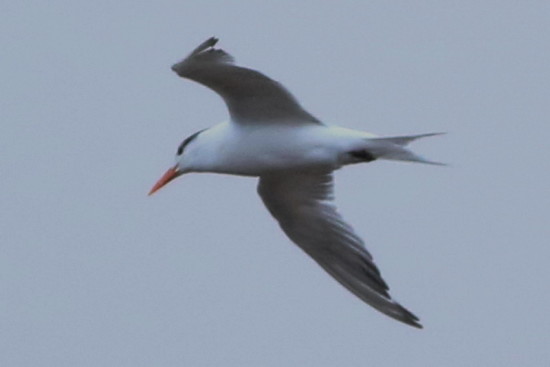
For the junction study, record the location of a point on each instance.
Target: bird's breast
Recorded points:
(255, 152)
(259, 149)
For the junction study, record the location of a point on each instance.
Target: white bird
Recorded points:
(270, 136)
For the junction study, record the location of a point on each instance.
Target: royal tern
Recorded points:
(270, 136)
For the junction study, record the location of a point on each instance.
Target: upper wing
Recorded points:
(302, 203)
(250, 96)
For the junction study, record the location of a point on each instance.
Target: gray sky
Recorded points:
(95, 273)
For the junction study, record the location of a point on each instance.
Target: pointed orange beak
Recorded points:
(167, 177)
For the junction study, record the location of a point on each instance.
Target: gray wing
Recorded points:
(302, 204)
(251, 97)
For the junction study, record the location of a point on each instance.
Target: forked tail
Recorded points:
(394, 148)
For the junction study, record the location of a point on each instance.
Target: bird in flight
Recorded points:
(270, 136)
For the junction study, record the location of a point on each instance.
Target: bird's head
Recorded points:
(182, 165)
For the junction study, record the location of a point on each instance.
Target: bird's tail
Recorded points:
(394, 148)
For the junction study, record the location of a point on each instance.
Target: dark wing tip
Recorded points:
(203, 53)
(407, 317)
(211, 42)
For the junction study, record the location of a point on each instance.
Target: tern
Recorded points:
(271, 136)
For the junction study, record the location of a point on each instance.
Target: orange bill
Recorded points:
(167, 177)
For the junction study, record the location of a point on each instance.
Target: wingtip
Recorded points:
(398, 312)
(179, 67)
(205, 45)
(416, 325)
(211, 42)
(409, 318)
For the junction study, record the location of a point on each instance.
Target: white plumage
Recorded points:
(272, 137)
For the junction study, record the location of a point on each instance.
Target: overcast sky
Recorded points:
(95, 273)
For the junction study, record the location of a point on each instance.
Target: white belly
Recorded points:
(255, 151)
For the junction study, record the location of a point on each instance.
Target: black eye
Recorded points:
(187, 141)
(180, 149)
